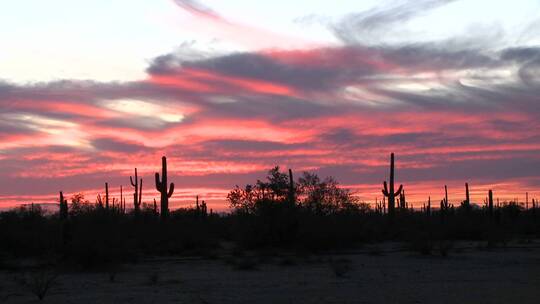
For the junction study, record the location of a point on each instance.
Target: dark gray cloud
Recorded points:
(333, 68)
(109, 144)
(521, 54)
(248, 145)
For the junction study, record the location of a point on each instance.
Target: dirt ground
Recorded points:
(376, 274)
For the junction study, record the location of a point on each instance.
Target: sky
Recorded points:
(226, 90)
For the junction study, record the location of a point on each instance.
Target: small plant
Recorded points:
(444, 247)
(287, 261)
(40, 282)
(375, 251)
(112, 276)
(341, 267)
(423, 244)
(153, 279)
(246, 263)
(496, 238)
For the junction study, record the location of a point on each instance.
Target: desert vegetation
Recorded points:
(307, 214)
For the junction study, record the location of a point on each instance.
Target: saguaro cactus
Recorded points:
(137, 195)
(378, 206)
(122, 204)
(121, 197)
(490, 204)
(107, 196)
(428, 210)
(161, 186)
(467, 198)
(388, 190)
(292, 192)
(446, 197)
(445, 205)
(63, 207)
(99, 201)
(402, 200)
(204, 209)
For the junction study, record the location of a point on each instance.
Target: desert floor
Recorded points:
(382, 273)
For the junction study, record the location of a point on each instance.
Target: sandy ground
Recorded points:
(469, 275)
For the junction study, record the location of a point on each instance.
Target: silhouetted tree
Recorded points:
(324, 197)
(276, 188)
(79, 205)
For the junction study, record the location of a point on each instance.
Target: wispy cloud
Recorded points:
(370, 25)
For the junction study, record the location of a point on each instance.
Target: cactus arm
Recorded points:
(134, 184)
(171, 190)
(158, 183)
(385, 190)
(398, 190)
(140, 191)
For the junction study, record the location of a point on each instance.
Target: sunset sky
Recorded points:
(228, 89)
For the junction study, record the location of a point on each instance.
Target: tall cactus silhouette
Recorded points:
(204, 209)
(445, 205)
(402, 200)
(121, 198)
(467, 197)
(137, 195)
(63, 207)
(490, 204)
(161, 186)
(388, 190)
(122, 203)
(292, 191)
(107, 196)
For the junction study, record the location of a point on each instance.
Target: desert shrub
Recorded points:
(26, 231)
(246, 263)
(40, 282)
(422, 242)
(341, 267)
(287, 261)
(444, 247)
(496, 237)
(153, 279)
